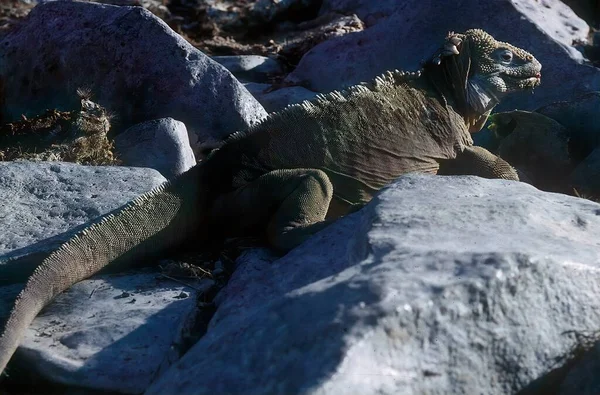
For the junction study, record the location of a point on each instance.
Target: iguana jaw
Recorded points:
(480, 99)
(484, 93)
(526, 82)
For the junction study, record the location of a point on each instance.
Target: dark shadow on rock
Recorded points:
(292, 343)
(550, 383)
(277, 351)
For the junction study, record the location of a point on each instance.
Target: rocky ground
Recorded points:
(282, 30)
(441, 285)
(285, 30)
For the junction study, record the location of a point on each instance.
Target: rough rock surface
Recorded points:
(368, 11)
(441, 285)
(110, 333)
(546, 13)
(43, 204)
(160, 144)
(235, 14)
(402, 41)
(131, 61)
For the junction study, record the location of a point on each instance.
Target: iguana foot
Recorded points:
(477, 161)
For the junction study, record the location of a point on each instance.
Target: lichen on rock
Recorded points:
(78, 136)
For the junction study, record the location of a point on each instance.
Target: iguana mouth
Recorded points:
(528, 82)
(533, 81)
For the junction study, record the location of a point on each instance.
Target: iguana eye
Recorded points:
(506, 56)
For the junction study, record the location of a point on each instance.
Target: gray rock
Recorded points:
(109, 333)
(554, 16)
(157, 7)
(161, 144)
(403, 40)
(580, 117)
(131, 61)
(300, 38)
(42, 204)
(279, 99)
(370, 12)
(537, 146)
(266, 11)
(250, 67)
(233, 14)
(441, 285)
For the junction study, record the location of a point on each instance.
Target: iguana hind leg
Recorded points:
(290, 203)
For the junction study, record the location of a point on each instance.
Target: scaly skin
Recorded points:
(301, 168)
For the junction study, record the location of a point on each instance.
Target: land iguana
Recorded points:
(300, 168)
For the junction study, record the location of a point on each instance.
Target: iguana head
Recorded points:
(497, 68)
(480, 71)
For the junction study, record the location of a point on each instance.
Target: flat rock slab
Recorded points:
(131, 61)
(111, 333)
(402, 41)
(42, 204)
(441, 285)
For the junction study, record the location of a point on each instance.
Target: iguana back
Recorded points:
(362, 138)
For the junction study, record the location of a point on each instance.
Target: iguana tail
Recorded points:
(151, 223)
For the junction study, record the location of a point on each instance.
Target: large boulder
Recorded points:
(441, 285)
(130, 60)
(580, 116)
(536, 145)
(257, 15)
(402, 40)
(43, 204)
(368, 11)
(557, 146)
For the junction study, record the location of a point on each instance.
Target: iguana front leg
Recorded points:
(477, 161)
(291, 204)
